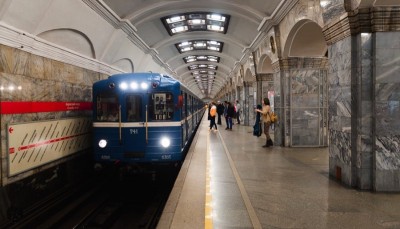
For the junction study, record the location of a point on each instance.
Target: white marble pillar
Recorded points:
(364, 111)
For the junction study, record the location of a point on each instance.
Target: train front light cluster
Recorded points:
(144, 85)
(133, 85)
(102, 143)
(165, 142)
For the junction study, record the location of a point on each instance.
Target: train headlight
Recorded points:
(134, 85)
(144, 86)
(123, 86)
(102, 143)
(165, 142)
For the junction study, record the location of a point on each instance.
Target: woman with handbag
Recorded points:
(266, 120)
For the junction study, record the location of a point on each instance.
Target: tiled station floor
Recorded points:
(229, 181)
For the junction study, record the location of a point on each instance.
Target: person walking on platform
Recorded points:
(230, 113)
(266, 120)
(220, 111)
(238, 110)
(226, 113)
(213, 113)
(208, 111)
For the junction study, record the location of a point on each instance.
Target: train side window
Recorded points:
(189, 105)
(133, 108)
(161, 106)
(107, 108)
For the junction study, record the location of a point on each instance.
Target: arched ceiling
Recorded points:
(305, 32)
(245, 28)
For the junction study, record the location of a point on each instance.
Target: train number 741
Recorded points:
(134, 131)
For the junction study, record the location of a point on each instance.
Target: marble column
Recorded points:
(248, 114)
(364, 117)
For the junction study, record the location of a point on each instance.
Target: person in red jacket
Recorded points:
(213, 114)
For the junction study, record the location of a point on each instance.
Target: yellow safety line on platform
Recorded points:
(252, 213)
(208, 219)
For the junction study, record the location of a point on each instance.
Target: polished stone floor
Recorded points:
(230, 181)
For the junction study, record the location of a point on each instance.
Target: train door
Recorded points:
(192, 125)
(186, 117)
(134, 132)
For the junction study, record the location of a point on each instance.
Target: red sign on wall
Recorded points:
(35, 107)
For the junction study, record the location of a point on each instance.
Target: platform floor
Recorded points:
(229, 181)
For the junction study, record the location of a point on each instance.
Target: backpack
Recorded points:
(213, 112)
(273, 117)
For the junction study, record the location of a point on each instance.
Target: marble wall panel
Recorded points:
(286, 107)
(340, 146)
(364, 178)
(366, 119)
(278, 108)
(12, 60)
(304, 100)
(387, 180)
(39, 79)
(332, 9)
(35, 67)
(364, 157)
(340, 55)
(345, 171)
(387, 101)
(339, 108)
(366, 75)
(305, 127)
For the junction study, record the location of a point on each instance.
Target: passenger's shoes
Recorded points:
(266, 144)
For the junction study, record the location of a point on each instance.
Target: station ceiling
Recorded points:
(203, 42)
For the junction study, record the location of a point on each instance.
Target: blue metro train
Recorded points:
(143, 119)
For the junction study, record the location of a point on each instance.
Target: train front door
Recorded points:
(135, 130)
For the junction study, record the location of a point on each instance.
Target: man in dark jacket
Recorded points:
(220, 111)
(229, 114)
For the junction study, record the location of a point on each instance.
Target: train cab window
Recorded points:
(107, 108)
(161, 106)
(133, 108)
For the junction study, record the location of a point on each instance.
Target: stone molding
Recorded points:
(265, 77)
(299, 63)
(336, 30)
(247, 84)
(368, 20)
(29, 43)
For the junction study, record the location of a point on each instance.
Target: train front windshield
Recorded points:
(160, 107)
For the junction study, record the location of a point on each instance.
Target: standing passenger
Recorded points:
(220, 111)
(238, 110)
(257, 128)
(230, 114)
(213, 113)
(266, 119)
(226, 114)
